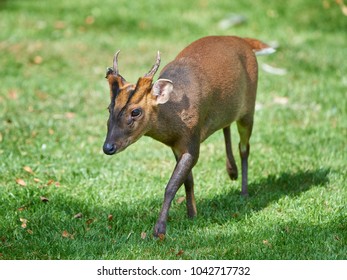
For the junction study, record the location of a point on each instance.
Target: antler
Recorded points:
(155, 67)
(114, 70)
(115, 63)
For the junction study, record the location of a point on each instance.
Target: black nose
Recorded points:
(109, 149)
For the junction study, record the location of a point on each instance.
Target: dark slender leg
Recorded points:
(230, 162)
(180, 175)
(245, 131)
(244, 153)
(189, 188)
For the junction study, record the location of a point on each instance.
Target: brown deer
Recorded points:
(210, 84)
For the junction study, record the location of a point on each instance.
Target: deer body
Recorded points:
(214, 84)
(210, 84)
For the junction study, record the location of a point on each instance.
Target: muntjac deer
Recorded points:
(210, 84)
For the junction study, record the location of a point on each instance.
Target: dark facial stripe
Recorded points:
(130, 96)
(117, 82)
(115, 92)
(121, 112)
(130, 92)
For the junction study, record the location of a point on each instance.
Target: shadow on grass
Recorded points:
(290, 239)
(54, 233)
(287, 240)
(263, 192)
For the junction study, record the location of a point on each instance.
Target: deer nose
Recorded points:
(109, 149)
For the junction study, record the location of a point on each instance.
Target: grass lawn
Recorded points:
(62, 198)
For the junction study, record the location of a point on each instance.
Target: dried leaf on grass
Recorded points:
(12, 94)
(267, 243)
(24, 222)
(66, 234)
(70, 115)
(343, 6)
(51, 182)
(37, 59)
(22, 208)
(21, 182)
(78, 216)
(89, 20)
(161, 236)
(180, 253)
(28, 169)
(59, 24)
(180, 199)
(344, 10)
(89, 221)
(143, 235)
(44, 199)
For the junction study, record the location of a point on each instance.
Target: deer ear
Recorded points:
(162, 89)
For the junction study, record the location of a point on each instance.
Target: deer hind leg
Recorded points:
(230, 161)
(244, 127)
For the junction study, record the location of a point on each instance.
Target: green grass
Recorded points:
(53, 100)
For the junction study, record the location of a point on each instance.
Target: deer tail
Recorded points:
(259, 47)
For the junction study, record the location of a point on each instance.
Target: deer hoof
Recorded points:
(160, 230)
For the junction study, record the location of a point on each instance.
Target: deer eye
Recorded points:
(136, 113)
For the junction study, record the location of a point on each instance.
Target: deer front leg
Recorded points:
(182, 170)
(190, 197)
(189, 188)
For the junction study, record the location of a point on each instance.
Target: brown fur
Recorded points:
(211, 83)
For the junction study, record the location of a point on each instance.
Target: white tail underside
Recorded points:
(266, 51)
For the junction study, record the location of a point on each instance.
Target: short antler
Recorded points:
(155, 67)
(115, 63)
(114, 70)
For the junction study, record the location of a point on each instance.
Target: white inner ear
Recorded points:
(162, 89)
